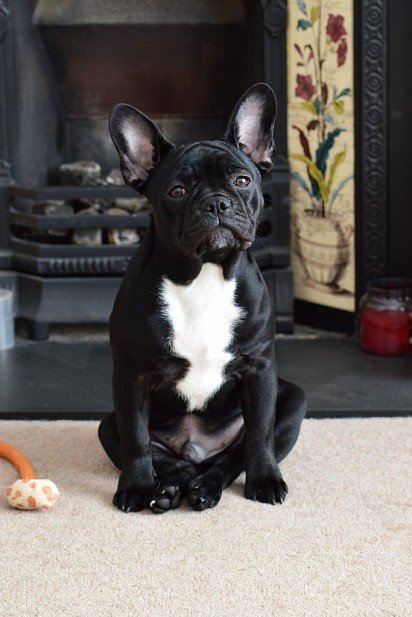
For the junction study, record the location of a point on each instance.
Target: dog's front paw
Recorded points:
(159, 499)
(269, 489)
(131, 500)
(204, 492)
(165, 498)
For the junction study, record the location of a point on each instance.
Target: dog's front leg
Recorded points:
(258, 392)
(132, 404)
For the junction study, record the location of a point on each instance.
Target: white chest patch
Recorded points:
(202, 315)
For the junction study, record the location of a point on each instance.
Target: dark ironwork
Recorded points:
(371, 136)
(275, 68)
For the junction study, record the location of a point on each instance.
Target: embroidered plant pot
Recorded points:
(322, 246)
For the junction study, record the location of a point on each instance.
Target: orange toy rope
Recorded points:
(15, 457)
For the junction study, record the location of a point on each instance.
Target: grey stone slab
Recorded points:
(73, 380)
(341, 380)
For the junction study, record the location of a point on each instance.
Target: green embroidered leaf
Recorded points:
(339, 158)
(344, 92)
(315, 173)
(325, 146)
(338, 106)
(302, 7)
(338, 190)
(308, 106)
(296, 176)
(314, 14)
(316, 105)
(304, 24)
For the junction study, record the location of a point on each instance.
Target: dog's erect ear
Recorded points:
(252, 123)
(139, 143)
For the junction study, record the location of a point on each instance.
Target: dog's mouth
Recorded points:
(223, 238)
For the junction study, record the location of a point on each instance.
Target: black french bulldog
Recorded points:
(196, 394)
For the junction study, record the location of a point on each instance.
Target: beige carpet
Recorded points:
(338, 546)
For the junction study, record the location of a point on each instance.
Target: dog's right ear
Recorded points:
(139, 143)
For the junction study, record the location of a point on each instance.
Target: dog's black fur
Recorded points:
(202, 212)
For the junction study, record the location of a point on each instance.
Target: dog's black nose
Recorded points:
(216, 204)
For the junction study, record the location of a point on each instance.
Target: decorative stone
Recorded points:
(53, 207)
(88, 237)
(115, 177)
(98, 205)
(80, 173)
(121, 237)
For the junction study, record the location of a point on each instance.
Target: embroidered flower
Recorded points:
(342, 50)
(335, 28)
(305, 88)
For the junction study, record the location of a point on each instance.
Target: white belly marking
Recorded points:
(202, 315)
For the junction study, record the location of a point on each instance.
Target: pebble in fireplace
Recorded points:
(86, 174)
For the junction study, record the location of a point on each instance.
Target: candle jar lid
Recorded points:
(393, 293)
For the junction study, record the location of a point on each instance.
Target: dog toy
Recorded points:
(28, 492)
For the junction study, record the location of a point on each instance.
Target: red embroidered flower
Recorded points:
(305, 88)
(342, 49)
(335, 28)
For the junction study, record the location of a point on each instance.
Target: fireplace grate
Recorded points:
(31, 254)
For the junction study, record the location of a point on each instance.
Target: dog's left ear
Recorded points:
(251, 125)
(139, 142)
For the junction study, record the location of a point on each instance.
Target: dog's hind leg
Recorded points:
(173, 470)
(205, 490)
(110, 440)
(172, 474)
(290, 411)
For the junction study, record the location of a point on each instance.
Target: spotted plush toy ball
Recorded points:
(32, 494)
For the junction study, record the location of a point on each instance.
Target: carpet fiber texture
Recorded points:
(336, 547)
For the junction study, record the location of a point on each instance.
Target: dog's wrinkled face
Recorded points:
(206, 196)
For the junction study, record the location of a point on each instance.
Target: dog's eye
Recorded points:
(242, 181)
(177, 191)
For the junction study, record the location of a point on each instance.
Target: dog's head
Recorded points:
(206, 196)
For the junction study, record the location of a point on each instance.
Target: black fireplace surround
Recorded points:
(64, 63)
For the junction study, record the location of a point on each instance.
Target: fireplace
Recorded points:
(67, 62)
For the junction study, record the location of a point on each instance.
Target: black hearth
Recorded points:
(65, 63)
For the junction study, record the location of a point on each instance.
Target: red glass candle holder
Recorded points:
(386, 317)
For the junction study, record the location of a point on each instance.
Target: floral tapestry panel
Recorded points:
(321, 150)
